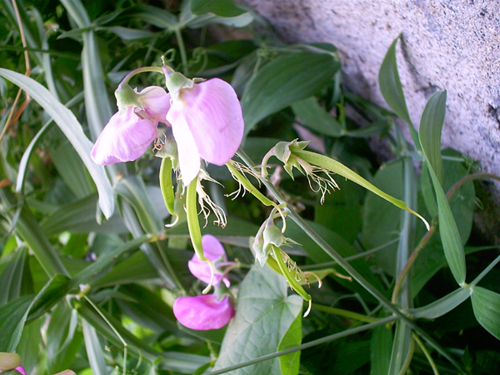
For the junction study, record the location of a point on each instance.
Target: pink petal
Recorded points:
(203, 312)
(189, 158)
(212, 112)
(156, 103)
(126, 137)
(213, 250)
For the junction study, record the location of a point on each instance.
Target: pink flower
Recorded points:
(132, 129)
(20, 369)
(203, 312)
(207, 123)
(213, 250)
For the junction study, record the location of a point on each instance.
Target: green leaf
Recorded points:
(429, 132)
(486, 306)
(153, 15)
(223, 8)
(12, 318)
(316, 118)
(80, 217)
(13, 276)
(133, 190)
(443, 305)
(450, 236)
(64, 339)
(13, 315)
(380, 350)
(264, 314)
(390, 84)
(284, 81)
(70, 126)
(94, 350)
(135, 268)
(290, 363)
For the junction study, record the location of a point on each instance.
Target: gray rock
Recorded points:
(452, 45)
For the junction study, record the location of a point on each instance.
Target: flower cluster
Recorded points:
(209, 311)
(205, 117)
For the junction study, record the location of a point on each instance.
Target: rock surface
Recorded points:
(451, 45)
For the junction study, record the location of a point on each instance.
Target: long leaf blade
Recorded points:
(486, 306)
(70, 126)
(283, 81)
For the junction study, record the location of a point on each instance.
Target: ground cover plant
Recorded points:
(223, 212)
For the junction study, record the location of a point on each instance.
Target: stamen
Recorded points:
(207, 206)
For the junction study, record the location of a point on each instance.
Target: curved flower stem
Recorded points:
(430, 233)
(426, 353)
(345, 313)
(325, 246)
(137, 71)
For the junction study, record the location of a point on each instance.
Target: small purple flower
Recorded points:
(132, 129)
(207, 123)
(213, 250)
(204, 312)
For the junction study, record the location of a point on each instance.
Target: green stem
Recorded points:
(308, 345)
(345, 313)
(426, 353)
(182, 49)
(137, 71)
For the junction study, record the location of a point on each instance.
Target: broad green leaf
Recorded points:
(72, 170)
(290, 363)
(70, 126)
(105, 260)
(341, 211)
(28, 229)
(135, 268)
(284, 81)
(12, 318)
(13, 315)
(450, 236)
(316, 118)
(486, 306)
(174, 361)
(264, 314)
(153, 15)
(380, 350)
(429, 131)
(390, 84)
(31, 345)
(14, 276)
(64, 339)
(442, 305)
(134, 191)
(147, 309)
(80, 217)
(223, 8)
(94, 350)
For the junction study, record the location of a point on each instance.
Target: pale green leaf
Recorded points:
(486, 306)
(290, 363)
(442, 305)
(390, 84)
(94, 350)
(223, 8)
(429, 131)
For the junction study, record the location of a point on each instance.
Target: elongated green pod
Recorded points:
(339, 168)
(294, 284)
(194, 229)
(167, 188)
